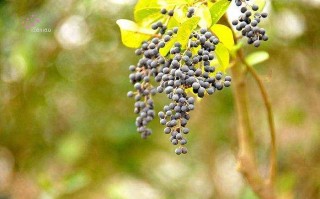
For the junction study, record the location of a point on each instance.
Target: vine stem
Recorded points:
(267, 103)
(247, 163)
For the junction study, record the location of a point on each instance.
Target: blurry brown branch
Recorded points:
(247, 163)
(267, 103)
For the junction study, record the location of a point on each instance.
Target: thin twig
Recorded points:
(273, 159)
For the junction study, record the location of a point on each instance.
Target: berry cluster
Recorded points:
(248, 22)
(159, 24)
(186, 69)
(190, 12)
(165, 11)
(144, 104)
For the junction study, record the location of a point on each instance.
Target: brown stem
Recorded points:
(247, 164)
(267, 103)
(246, 159)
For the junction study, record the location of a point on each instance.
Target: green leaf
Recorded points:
(257, 57)
(132, 35)
(147, 10)
(218, 9)
(223, 56)
(224, 34)
(147, 15)
(205, 16)
(182, 36)
(165, 3)
(186, 29)
(189, 1)
(142, 4)
(180, 14)
(173, 23)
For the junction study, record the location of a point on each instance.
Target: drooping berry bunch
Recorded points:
(248, 22)
(185, 71)
(144, 104)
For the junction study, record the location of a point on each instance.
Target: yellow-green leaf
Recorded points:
(165, 3)
(180, 14)
(186, 29)
(164, 51)
(142, 4)
(182, 36)
(147, 15)
(257, 57)
(132, 35)
(224, 34)
(218, 9)
(205, 16)
(223, 56)
(189, 1)
(173, 23)
(147, 11)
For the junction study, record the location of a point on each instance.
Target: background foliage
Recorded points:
(67, 129)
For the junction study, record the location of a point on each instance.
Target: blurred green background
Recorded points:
(67, 128)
